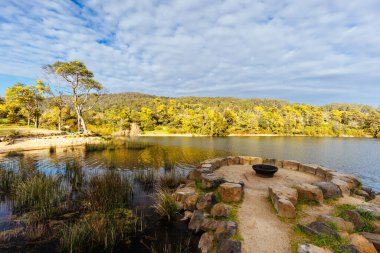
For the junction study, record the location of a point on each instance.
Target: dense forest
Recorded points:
(203, 115)
(86, 107)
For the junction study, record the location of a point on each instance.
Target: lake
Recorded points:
(357, 156)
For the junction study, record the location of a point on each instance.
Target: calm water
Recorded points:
(358, 156)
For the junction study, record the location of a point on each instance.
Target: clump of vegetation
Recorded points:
(94, 147)
(41, 195)
(14, 154)
(52, 149)
(109, 191)
(7, 180)
(164, 204)
(366, 216)
(166, 246)
(171, 180)
(145, 177)
(99, 230)
(134, 145)
(74, 174)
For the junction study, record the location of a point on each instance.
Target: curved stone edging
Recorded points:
(218, 234)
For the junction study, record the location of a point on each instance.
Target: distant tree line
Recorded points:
(81, 107)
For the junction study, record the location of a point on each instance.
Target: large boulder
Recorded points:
(206, 201)
(309, 192)
(196, 174)
(376, 226)
(310, 248)
(210, 181)
(329, 190)
(191, 202)
(285, 208)
(343, 186)
(290, 164)
(226, 229)
(308, 168)
(355, 218)
(230, 192)
(196, 220)
(281, 191)
(352, 181)
(283, 199)
(322, 228)
(229, 246)
(340, 223)
(322, 172)
(183, 192)
(220, 210)
(209, 224)
(206, 243)
(373, 238)
(374, 209)
(362, 244)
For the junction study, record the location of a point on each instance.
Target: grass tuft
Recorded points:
(165, 204)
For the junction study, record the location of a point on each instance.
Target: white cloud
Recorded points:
(305, 51)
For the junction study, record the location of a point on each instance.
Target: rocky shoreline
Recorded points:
(210, 203)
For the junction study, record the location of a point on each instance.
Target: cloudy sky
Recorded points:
(311, 51)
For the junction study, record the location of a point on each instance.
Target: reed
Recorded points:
(135, 145)
(52, 150)
(95, 147)
(145, 177)
(74, 174)
(102, 231)
(164, 204)
(109, 191)
(41, 195)
(7, 181)
(171, 180)
(14, 154)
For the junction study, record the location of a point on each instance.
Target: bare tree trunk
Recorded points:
(60, 119)
(28, 118)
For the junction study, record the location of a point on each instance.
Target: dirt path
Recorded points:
(261, 229)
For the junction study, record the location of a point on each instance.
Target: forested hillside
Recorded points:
(203, 115)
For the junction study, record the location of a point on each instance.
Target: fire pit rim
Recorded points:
(265, 170)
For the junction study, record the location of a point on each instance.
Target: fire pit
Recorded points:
(265, 170)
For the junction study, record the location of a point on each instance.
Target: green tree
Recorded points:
(80, 85)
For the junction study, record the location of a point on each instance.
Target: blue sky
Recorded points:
(303, 51)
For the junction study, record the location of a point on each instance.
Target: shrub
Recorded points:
(164, 204)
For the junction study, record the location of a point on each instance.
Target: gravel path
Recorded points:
(261, 229)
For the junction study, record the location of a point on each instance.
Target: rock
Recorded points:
(329, 190)
(183, 192)
(355, 218)
(196, 174)
(352, 181)
(225, 230)
(220, 210)
(343, 186)
(376, 226)
(374, 209)
(322, 228)
(285, 208)
(196, 220)
(362, 244)
(230, 192)
(244, 160)
(371, 192)
(290, 164)
(229, 246)
(349, 249)
(376, 200)
(209, 224)
(255, 160)
(308, 168)
(322, 172)
(339, 222)
(187, 215)
(206, 201)
(309, 192)
(206, 243)
(280, 191)
(191, 202)
(310, 248)
(373, 238)
(362, 193)
(210, 181)
(269, 161)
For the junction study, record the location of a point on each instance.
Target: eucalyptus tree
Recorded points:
(79, 84)
(27, 98)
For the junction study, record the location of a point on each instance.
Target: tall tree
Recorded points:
(80, 85)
